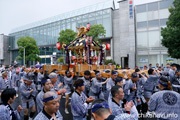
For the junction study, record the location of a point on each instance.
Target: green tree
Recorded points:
(97, 31)
(171, 33)
(110, 61)
(66, 36)
(31, 49)
(61, 60)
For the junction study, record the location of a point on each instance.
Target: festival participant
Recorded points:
(28, 93)
(51, 107)
(131, 89)
(172, 71)
(16, 78)
(6, 112)
(5, 82)
(87, 82)
(47, 85)
(167, 67)
(79, 101)
(96, 87)
(111, 81)
(40, 76)
(101, 111)
(176, 81)
(115, 104)
(150, 84)
(68, 83)
(157, 66)
(165, 103)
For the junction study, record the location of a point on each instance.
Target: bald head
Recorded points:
(49, 94)
(51, 102)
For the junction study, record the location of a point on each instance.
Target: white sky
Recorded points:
(16, 13)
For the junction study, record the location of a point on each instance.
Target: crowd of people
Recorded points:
(156, 94)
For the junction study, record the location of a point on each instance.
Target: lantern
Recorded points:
(96, 58)
(85, 58)
(88, 27)
(58, 45)
(73, 58)
(108, 46)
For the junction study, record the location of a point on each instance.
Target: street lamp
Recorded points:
(24, 53)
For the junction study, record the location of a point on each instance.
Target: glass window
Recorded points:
(74, 26)
(164, 13)
(91, 14)
(166, 3)
(142, 60)
(73, 19)
(92, 21)
(99, 20)
(141, 8)
(154, 38)
(142, 40)
(68, 26)
(152, 15)
(153, 6)
(141, 17)
(163, 22)
(153, 23)
(141, 24)
(79, 18)
(107, 25)
(98, 13)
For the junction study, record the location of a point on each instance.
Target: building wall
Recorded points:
(149, 20)
(124, 34)
(1, 48)
(4, 50)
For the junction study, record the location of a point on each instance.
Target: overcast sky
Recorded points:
(15, 13)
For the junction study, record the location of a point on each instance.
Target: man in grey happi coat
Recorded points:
(79, 101)
(87, 82)
(51, 107)
(6, 111)
(111, 82)
(150, 84)
(131, 89)
(40, 76)
(47, 85)
(5, 82)
(96, 86)
(172, 71)
(28, 92)
(115, 104)
(101, 111)
(165, 103)
(16, 79)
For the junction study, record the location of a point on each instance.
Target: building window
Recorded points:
(153, 23)
(154, 38)
(141, 24)
(141, 8)
(142, 40)
(163, 22)
(166, 4)
(153, 6)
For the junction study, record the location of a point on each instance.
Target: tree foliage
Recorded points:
(96, 31)
(61, 60)
(171, 33)
(31, 49)
(66, 36)
(110, 61)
